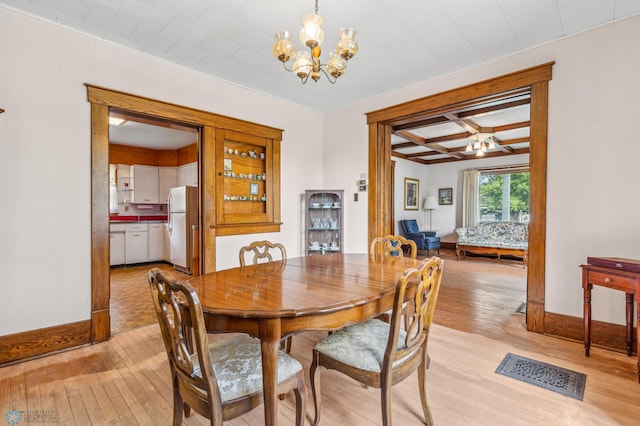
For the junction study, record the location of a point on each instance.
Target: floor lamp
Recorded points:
(430, 203)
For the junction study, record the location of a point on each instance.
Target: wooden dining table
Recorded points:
(273, 300)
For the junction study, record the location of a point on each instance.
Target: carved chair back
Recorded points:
(263, 251)
(364, 352)
(236, 389)
(391, 245)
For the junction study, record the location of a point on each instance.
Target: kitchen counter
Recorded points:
(140, 218)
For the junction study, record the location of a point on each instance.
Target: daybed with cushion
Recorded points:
(500, 238)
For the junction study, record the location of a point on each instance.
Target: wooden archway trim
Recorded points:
(535, 80)
(102, 100)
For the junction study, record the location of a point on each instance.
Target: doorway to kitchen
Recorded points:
(150, 160)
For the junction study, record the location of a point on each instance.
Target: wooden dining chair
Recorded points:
(380, 354)
(264, 251)
(222, 380)
(391, 245)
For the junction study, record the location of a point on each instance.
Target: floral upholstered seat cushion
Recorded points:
(360, 345)
(495, 234)
(237, 363)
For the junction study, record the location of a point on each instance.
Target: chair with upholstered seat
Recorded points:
(391, 245)
(380, 354)
(425, 240)
(221, 380)
(263, 252)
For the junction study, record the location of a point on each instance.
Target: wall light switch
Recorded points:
(355, 196)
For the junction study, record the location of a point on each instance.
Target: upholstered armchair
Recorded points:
(425, 240)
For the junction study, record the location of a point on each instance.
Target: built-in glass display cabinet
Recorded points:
(323, 222)
(248, 182)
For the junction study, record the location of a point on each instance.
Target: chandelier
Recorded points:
(481, 146)
(306, 63)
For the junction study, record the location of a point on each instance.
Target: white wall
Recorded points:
(45, 230)
(449, 175)
(409, 169)
(592, 146)
(45, 157)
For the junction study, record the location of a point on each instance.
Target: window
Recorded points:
(504, 195)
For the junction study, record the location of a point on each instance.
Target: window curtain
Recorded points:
(470, 210)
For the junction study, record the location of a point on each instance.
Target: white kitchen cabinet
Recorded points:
(136, 248)
(145, 184)
(116, 245)
(188, 174)
(124, 183)
(167, 179)
(156, 242)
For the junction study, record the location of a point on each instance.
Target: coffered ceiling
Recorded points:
(447, 135)
(401, 42)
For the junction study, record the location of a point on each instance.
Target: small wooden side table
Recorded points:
(614, 276)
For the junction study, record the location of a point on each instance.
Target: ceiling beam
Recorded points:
(420, 141)
(492, 108)
(432, 121)
(437, 112)
(425, 141)
(511, 126)
(467, 157)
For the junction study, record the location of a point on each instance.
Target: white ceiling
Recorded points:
(401, 42)
(146, 135)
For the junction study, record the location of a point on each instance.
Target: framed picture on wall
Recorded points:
(445, 196)
(411, 193)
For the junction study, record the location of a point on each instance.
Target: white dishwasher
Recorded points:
(116, 243)
(136, 238)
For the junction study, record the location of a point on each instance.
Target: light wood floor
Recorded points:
(126, 380)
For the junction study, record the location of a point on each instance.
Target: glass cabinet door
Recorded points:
(324, 221)
(248, 178)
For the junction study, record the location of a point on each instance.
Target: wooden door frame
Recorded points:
(536, 80)
(102, 99)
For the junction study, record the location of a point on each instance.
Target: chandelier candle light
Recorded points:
(307, 63)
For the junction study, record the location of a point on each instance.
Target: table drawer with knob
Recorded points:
(617, 282)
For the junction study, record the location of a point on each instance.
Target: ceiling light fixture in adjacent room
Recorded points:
(116, 121)
(481, 146)
(307, 63)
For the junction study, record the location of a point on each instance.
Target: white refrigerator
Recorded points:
(183, 222)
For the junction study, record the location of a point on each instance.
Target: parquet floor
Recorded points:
(126, 380)
(130, 304)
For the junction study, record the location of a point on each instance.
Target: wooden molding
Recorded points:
(102, 101)
(603, 334)
(45, 341)
(100, 326)
(532, 80)
(244, 228)
(134, 104)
